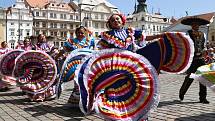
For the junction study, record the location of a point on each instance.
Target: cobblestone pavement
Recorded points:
(16, 107)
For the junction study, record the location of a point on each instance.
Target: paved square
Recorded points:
(16, 107)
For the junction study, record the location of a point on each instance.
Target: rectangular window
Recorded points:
(51, 33)
(57, 44)
(90, 24)
(143, 27)
(12, 32)
(71, 26)
(64, 16)
(96, 16)
(96, 25)
(55, 33)
(85, 24)
(65, 26)
(61, 44)
(102, 25)
(102, 16)
(55, 25)
(44, 25)
(62, 34)
(51, 15)
(37, 24)
(61, 26)
(44, 14)
(44, 32)
(12, 45)
(37, 32)
(51, 25)
(37, 14)
(61, 16)
(71, 17)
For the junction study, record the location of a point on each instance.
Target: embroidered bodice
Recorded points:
(74, 43)
(125, 39)
(46, 47)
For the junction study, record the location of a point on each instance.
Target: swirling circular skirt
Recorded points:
(72, 61)
(173, 53)
(35, 70)
(7, 62)
(118, 84)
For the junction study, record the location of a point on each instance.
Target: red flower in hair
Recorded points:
(123, 18)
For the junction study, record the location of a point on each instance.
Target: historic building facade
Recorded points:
(55, 19)
(58, 20)
(211, 31)
(2, 25)
(19, 23)
(150, 23)
(95, 13)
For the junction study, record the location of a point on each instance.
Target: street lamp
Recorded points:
(6, 25)
(19, 31)
(79, 4)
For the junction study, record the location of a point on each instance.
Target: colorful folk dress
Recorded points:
(78, 50)
(120, 81)
(36, 72)
(6, 81)
(126, 39)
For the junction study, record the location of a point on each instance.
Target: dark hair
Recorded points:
(79, 28)
(38, 37)
(27, 39)
(4, 42)
(120, 15)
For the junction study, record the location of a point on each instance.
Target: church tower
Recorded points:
(141, 7)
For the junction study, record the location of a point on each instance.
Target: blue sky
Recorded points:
(167, 8)
(170, 8)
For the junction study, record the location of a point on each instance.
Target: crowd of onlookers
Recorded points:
(209, 54)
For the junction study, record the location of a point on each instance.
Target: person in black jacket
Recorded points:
(198, 60)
